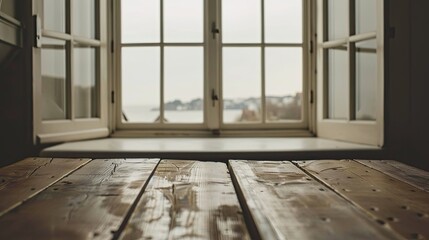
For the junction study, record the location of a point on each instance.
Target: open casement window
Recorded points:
(70, 70)
(350, 70)
(228, 65)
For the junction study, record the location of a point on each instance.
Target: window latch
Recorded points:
(215, 30)
(214, 97)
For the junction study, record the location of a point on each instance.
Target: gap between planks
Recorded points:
(188, 199)
(411, 175)
(286, 203)
(393, 203)
(125, 222)
(127, 217)
(92, 202)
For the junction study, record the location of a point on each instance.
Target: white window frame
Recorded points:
(366, 132)
(49, 131)
(213, 114)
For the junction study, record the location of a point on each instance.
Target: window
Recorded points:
(350, 70)
(212, 65)
(200, 66)
(70, 70)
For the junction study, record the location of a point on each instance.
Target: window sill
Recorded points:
(214, 149)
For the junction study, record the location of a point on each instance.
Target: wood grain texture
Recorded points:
(24, 179)
(395, 204)
(188, 200)
(411, 175)
(286, 203)
(90, 203)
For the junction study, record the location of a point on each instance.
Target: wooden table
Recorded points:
(43, 198)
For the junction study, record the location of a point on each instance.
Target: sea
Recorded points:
(145, 114)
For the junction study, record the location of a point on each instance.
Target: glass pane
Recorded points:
(366, 80)
(84, 82)
(241, 21)
(183, 20)
(140, 21)
(84, 18)
(141, 84)
(366, 17)
(184, 84)
(337, 19)
(283, 83)
(241, 84)
(283, 21)
(54, 80)
(338, 87)
(54, 15)
(10, 7)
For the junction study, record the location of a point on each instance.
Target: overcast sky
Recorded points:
(183, 69)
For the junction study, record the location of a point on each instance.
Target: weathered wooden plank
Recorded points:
(395, 204)
(90, 203)
(188, 200)
(411, 175)
(285, 203)
(24, 179)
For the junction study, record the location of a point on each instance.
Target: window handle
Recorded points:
(214, 97)
(215, 30)
(38, 31)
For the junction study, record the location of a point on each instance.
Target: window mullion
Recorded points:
(161, 105)
(322, 37)
(213, 58)
(96, 105)
(352, 60)
(263, 99)
(97, 19)
(309, 57)
(352, 82)
(69, 54)
(56, 35)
